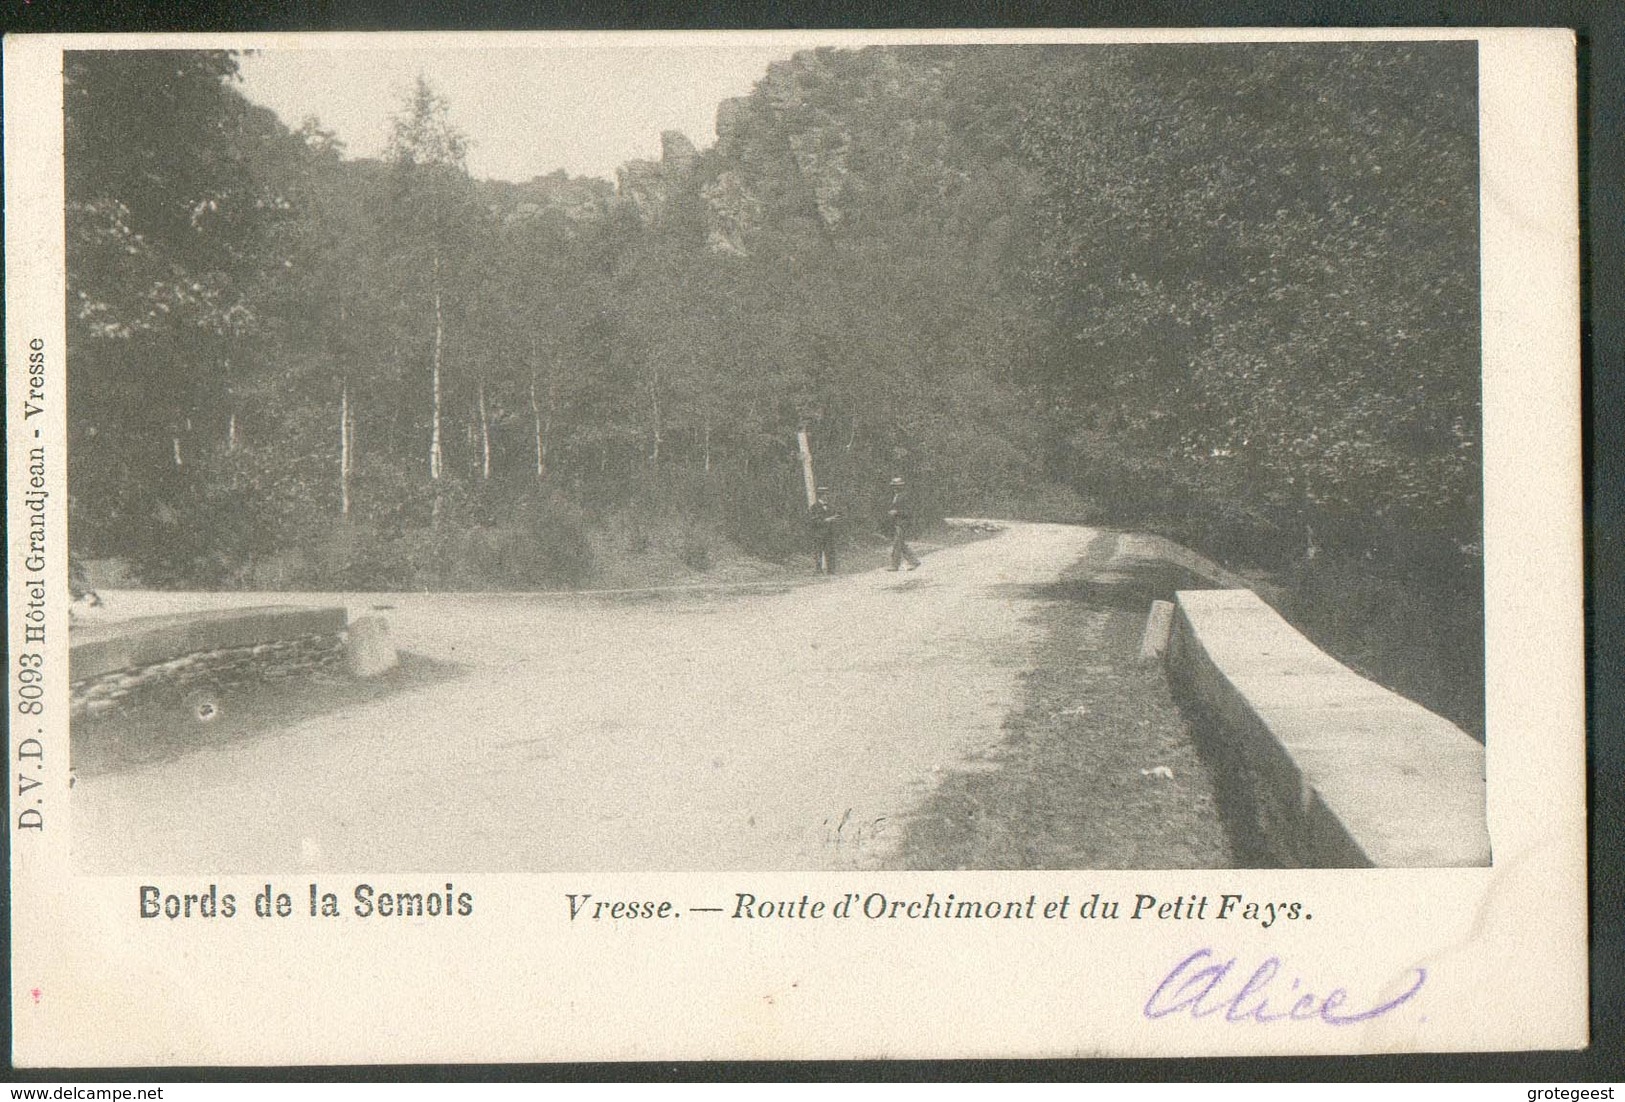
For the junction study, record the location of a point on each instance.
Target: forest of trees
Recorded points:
(1228, 292)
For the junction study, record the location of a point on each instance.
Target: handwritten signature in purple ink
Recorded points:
(1202, 985)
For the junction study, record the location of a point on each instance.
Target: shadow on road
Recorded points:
(674, 594)
(1126, 584)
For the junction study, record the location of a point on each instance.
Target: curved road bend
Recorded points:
(784, 731)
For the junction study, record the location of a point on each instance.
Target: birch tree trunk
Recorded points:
(231, 402)
(654, 406)
(536, 423)
(485, 437)
(345, 458)
(435, 456)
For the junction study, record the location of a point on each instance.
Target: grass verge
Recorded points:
(1099, 767)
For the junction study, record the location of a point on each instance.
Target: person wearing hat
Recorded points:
(821, 523)
(897, 514)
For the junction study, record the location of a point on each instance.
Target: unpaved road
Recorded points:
(663, 731)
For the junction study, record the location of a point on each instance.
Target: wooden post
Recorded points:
(806, 466)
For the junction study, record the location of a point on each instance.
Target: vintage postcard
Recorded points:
(610, 546)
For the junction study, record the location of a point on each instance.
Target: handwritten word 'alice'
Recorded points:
(1202, 985)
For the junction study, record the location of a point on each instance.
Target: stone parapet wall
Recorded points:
(98, 648)
(1323, 768)
(163, 660)
(221, 671)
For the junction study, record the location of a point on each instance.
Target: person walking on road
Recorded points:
(821, 520)
(897, 514)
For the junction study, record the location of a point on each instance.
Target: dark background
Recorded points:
(1600, 27)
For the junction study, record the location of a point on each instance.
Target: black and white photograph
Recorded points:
(924, 457)
(865, 472)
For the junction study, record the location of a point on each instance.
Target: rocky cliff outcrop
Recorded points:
(573, 200)
(649, 185)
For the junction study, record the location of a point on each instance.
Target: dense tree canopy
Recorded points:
(1226, 290)
(1265, 291)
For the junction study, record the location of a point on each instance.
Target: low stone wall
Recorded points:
(161, 660)
(1322, 767)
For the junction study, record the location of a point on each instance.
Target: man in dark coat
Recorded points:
(821, 520)
(897, 515)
